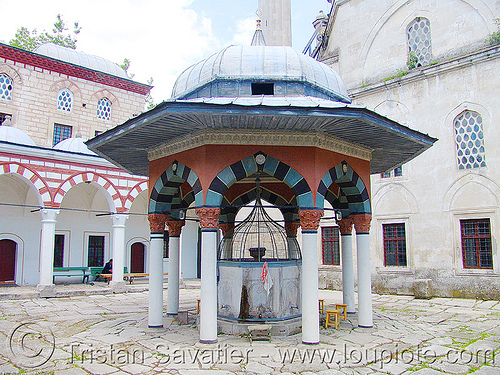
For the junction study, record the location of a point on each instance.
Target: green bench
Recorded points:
(69, 272)
(95, 272)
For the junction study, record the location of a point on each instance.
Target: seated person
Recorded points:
(108, 267)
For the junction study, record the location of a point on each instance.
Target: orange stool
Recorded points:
(322, 306)
(335, 314)
(198, 307)
(342, 307)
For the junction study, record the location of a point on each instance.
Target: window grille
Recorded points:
(96, 251)
(331, 248)
(419, 42)
(104, 109)
(58, 250)
(394, 245)
(469, 140)
(165, 245)
(65, 100)
(476, 243)
(61, 132)
(5, 87)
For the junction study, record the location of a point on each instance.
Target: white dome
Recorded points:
(13, 135)
(261, 63)
(81, 59)
(74, 145)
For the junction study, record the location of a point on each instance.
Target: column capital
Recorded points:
(157, 222)
(175, 227)
(226, 227)
(309, 219)
(209, 217)
(119, 219)
(361, 222)
(292, 228)
(49, 214)
(345, 226)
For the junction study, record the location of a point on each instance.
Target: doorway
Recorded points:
(137, 257)
(7, 261)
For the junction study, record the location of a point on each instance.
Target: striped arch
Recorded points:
(247, 167)
(44, 198)
(113, 197)
(136, 190)
(345, 191)
(174, 190)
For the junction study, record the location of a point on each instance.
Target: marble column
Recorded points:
(174, 236)
(155, 311)
(118, 233)
(362, 226)
(309, 221)
(347, 264)
(46, 284)
(209, 223)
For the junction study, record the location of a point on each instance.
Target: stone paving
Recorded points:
(89, 330)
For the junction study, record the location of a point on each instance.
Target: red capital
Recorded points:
(292, 228)
(209, 217)
(345, 226)
(157, 222)
(309, 219)
(361, 222)
(175, 227)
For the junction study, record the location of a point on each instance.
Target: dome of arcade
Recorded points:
(14, 135)
(74, 145)
(245, 71)
(81, 59)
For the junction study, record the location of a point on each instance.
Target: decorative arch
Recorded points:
(461, 182)
(248, 167)
(110, 191)
(400, 189)
(12, 73)
(104, 94)
(177, 187)
(44, 198)
(134, 192)
(66, 84)
(350, 194)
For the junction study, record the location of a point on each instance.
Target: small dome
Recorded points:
(13, 135)
(81, 59)
(74, 145)
(232, 71)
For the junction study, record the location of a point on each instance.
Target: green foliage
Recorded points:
(125, 64)
(495, 37)
(150, 103)
(400, 73)
(412, 60)
(30, 40)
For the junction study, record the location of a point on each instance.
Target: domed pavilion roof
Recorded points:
(14, 135)
(74, 145)
(237, 71)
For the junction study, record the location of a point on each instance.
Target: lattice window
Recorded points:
(5, 87)
(59, 250)
(396, 172)
(61, 132)
(394, 245)
(104, 109)
(419, 42)
(65, 100)
(331, 249)
(165, 245)
(469, 139)
(96, 251)
(476, 243)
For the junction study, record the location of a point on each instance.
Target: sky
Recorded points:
(160, 37)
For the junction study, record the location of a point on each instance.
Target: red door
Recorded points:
(137, 258)
(7, 260)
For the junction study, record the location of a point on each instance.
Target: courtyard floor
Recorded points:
(89, 330)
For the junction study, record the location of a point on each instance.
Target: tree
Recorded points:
(30, 40)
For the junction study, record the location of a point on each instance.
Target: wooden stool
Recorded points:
(322, 306)
(342, 307)
(332, 314)
(198, 307)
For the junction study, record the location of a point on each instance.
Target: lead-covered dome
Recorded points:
(13, 135)
(75, 144)
(243, 71)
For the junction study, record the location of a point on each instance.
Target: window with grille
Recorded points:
(419, 42)
(58, 250)
(165, 244)
(104, 109)
(469, 140)
(331, 248)
(396, 172)
(65, 100)
(61, 132)
(5, 87)
(96, 251)
(394, 245)
(3, 116)
(476, 243)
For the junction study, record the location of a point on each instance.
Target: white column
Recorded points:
(174, 234)
(208, 308)
(117, 283)
(310, 297)
(347, 265)
(46, 285)
(155, 311)
(365, 314)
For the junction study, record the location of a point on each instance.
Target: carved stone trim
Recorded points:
(309, 219)
(157, 222)
(209, 217)
(261, 138)
(175, 227)
(345, 226)
(226, 227)
(292, 228)
(361, 222)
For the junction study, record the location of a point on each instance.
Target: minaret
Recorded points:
(276, 22)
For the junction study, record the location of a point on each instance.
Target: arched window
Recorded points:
(5, 87)
(65, 100)
(419, 42)
(469, 140)
(104, 109)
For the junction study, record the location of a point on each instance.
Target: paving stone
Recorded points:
(487, 370)
(424, 371)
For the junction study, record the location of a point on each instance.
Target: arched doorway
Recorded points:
(7, 261)
(137, 258)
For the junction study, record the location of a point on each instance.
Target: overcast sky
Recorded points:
(160, 37)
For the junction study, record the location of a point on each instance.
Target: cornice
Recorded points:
(261, 138)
